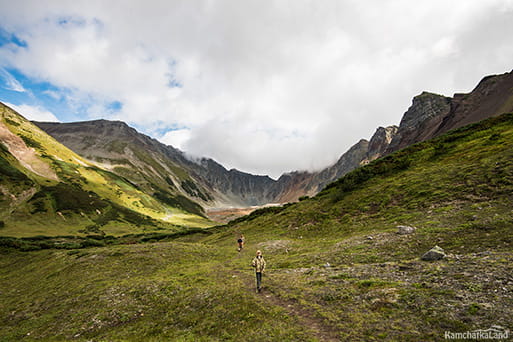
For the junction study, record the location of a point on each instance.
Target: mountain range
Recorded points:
(159, 168)
(98, 176)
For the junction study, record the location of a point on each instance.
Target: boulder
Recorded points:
(435, 253)
(403, 230)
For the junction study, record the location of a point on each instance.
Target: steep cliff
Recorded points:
(380, 141)
(420, 120)
(431, 115)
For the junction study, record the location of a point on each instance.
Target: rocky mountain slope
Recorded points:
(429, 116)
(159, 168)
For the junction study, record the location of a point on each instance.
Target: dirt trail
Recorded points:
(306, 316)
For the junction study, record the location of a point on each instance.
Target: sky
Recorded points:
(265, 87)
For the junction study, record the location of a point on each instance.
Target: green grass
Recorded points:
(153, 292)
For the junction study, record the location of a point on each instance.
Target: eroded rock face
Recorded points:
(380, 141)
(26, 155)
(424, 107)
(492, 96)
(431, 115)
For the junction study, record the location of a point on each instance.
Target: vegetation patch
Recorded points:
(180, 201)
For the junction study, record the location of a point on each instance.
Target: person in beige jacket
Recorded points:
(259, 264)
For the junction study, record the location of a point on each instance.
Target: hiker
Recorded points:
(240, 241)
(259, 264)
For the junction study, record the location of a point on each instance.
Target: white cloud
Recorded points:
(10, 82)
(34, 113)
(263, 87)
(176, 138)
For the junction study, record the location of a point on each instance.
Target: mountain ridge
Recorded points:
(428, 116)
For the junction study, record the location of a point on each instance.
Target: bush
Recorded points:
(93, 243)
(31, 142)
(181, 202)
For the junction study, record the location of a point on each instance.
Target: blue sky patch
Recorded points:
(19, 89)
(115, 106)
(10, 38)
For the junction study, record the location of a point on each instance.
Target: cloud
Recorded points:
(33, 113)
(264, 88)
(10, 82)
(176, 138)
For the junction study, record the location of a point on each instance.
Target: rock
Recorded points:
(420, 120)
(380, 141)
(403, 230)
(435, 253)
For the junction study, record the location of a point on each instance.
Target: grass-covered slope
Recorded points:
(457, 191)
(337, 269)
(47, 189)
(154, 167)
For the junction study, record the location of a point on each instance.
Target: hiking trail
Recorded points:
(317, 327)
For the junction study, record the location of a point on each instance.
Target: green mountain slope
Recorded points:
(46, 189)
(337, 268)
(155, 168)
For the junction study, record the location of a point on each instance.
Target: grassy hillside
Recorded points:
(337, 269)
(46, 189)
(115, 146)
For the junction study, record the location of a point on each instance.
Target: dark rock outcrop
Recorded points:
(431, 115)
(491, 97)
(420, 120)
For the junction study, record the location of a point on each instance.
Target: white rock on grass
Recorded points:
(435, 253)
(403, 230)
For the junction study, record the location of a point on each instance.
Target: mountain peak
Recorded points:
(425, 106)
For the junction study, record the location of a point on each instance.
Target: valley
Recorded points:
(337, 267)
(108, 235)
(284, 171)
